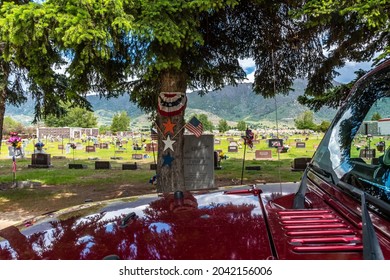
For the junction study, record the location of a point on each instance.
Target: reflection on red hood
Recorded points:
(207, 226)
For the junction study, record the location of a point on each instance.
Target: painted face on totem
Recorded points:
(171, 103)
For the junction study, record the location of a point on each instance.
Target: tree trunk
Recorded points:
(2, 113)
(170, 125)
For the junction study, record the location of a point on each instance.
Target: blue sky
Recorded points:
(346, 73)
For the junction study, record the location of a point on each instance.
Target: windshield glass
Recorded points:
(356, 148)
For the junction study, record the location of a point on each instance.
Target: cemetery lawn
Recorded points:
(43, 190)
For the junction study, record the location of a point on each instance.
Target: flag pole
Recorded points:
(14, 166)
(243, 161)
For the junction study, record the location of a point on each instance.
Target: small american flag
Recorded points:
(195, 126)
(153, 134)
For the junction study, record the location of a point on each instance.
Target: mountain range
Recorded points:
(232, 103)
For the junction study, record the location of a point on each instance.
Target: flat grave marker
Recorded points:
(233, 149)
(263, 154)
(137, 156)
(300, 145)
(102, 165)
(129, 166)
(90, 149)
(103, 145)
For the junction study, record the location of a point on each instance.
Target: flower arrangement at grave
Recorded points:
(15, 140)
(284, 149)
(380, 146)
(39, 146)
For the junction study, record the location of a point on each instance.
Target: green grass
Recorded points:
(69, 184)
(72, 186)
(275, 170)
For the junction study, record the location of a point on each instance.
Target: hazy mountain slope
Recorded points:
(232, 103)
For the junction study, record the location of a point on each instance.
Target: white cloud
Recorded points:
(247, 63)
(347, 73)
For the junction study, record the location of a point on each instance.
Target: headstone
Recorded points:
(263, 154)
(198, 162)
(77, 166)
(153, 166)
(137, 156)
(116, 158)
(40, 161)
(300, 164)
(90, 149)
(102, 165)
(103, 145)
(60, 147)
(59, 157)
(254, 167)
(274, 143)
(233, 149)
(150, 147)
(300, 145)
(129, 166)
(367, 153)
(217, 141)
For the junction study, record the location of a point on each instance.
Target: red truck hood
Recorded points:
(202, 226)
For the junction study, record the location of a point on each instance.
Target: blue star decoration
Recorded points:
(167, 160)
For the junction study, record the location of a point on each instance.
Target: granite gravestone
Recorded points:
(102, 165)
(137, 156)
(151, 147)
(300, 164)
(90, 149)
(263, 154)
(300, 145)
(103, 145)
(274, 143)
(233, 147)
(367, 153)
(40, 160)
(198, 162)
